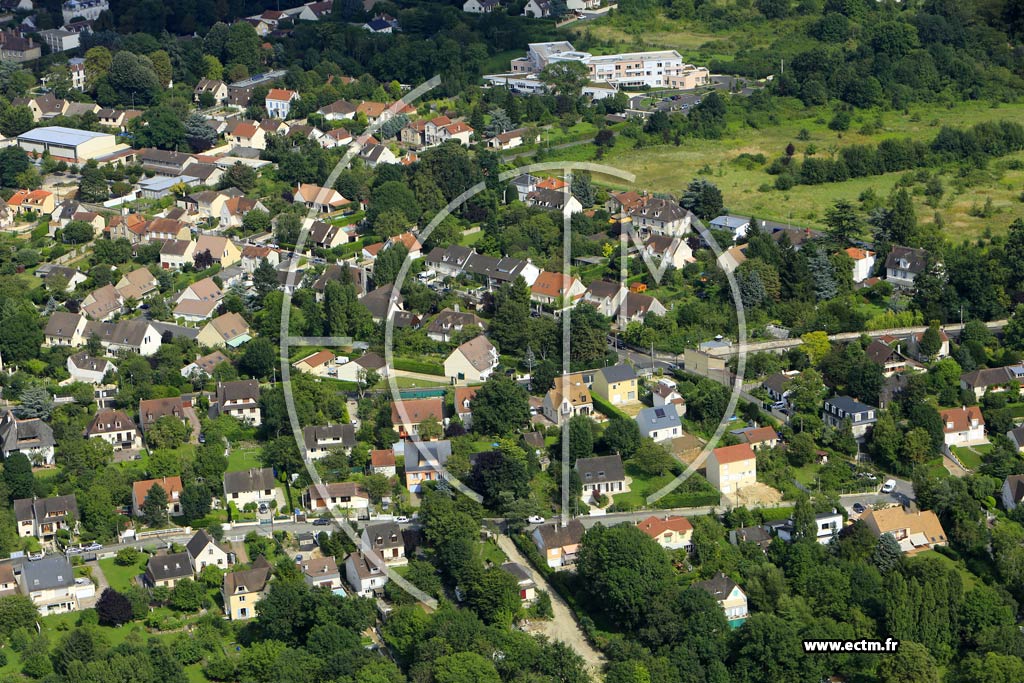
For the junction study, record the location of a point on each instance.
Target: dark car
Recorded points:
(321, 521)
(858, 508)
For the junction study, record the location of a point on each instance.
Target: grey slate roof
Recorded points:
(170, 566)
(384, 536)
(52, 571)
(313, 435)
(618, 373)
(555, 535)
(18, 434)
(600, 469)
(417, 453)
(658, 417)
(718, 585)
(255, 479)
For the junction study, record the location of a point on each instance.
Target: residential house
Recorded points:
(512, 138)
(732, 468)
(993, 379)
(606, 296)
(729, 596)
(365, 575)
(885, 356)
(172, 486)
(375, 155)
(673, 250)
(554, 200)
(244, 588)
(672, 532)
(558, 543)
(449, 262)
(1016, 437)
(665, 393)
(279, 102)
(151, 410)
(224, 252)
(617, 385)
(198, 301)
(336, 137)
(322, 440)
(64, 329)
(556, 290)
(1012, 491)
(358, 369)
(636, 307)
(8, 583)
(914, 531)
(323, 199)
(601, 475)
(102, 303)
(450, 322)
(247, 135)
(166, 570)
(176, 254)
(85, 368)
(320, 363)
(407, 415)
(61, 277)
(480, 6)
(164, 162)
(463, 404)
(240, 399)
(861, 416)
(660, 423)
(737, 226)
(328, 236)
(522, 575)
(136, 284)
(776, 383)
(915, 345)
(50, 582)
(863, 263)
(216, 88)
(254, 485)
(116, 428)
(424, 461)
(338, 111)
(253, 255)
(345, 495)
(136, 335)
(385, 540)
(44, 517)
(473, 361)
(904, 264)
(408, 240)
(661, 216)
(382, 461)
(29, 436)
(964, 426)
(827, 527)
(321, 572)
(229, 329)
(760, 437)
(569, 397)
(203, 550)
(204, 365)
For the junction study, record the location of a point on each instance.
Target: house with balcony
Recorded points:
(240, 399)
(672, 532)
(116, 428)
(44, 517)
(914, 531)
(904, 264)
(730, 597)
(321, 572)
(559, 543)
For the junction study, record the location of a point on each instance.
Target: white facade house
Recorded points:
(863, 263)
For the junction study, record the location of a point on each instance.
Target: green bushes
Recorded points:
(424, 367)
(607, 408)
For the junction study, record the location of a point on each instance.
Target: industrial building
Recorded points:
(69, 144)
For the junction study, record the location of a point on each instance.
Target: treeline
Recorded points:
(975, 145)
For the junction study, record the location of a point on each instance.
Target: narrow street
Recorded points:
(563, 626)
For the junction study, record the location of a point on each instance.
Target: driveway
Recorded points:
(563, 626)
(193, 420)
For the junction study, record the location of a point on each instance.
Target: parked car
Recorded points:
(536, 519)
(321, 521)
(889, 486)
(858, 508)
(94, 546)
(402, 519)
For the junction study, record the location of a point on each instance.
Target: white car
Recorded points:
(536, 519)
(889, 486)
(94, 546)
(402, 519)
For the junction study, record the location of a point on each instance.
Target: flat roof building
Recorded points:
(69, 144)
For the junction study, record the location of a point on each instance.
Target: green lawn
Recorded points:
(642, 486)
(243, 458)
(490, 551)
(658, 169)
(120, 578)
(807, 475)
(970, 457)
(471, 239)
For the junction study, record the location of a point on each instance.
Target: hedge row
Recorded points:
(607, 408)
(410, 365)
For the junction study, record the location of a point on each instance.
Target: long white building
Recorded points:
(657, 69)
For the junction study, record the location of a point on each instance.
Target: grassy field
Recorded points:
(490, 552)
(120, 578)
(668, 168)
(244, 457)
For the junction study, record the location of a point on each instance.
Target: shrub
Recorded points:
(126, 557)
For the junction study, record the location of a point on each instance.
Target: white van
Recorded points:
(889, 486)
